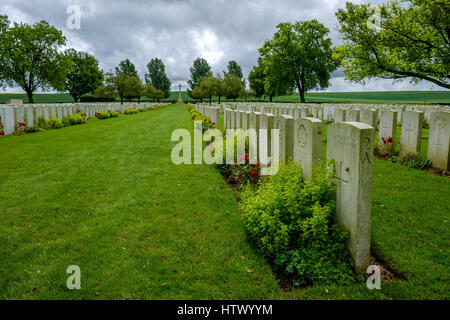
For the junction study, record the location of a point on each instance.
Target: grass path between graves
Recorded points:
(105, 196)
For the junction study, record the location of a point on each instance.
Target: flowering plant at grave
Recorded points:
(388, 140)
(241, 172)
(2, 133)
(78, 111)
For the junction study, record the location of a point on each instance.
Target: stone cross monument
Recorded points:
(180, 100)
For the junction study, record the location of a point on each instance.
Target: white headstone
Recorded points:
(411, 138)
(351, 144)
(439, 140)
(307, 143)
(388, 129)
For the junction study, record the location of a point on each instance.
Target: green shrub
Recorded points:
(142, 109)
(425, 124)
(113, 114)
(292, 223)
(41, 122)
(55, 123)
(76, 119)
(65, 121)
(414, 161)
(102, 115)
(131, 111)
(33, 129)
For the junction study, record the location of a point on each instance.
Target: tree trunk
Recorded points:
(300, 87)
(30, 96)
(210, 100)
(270, 98)
(219, 99)
(302, 96)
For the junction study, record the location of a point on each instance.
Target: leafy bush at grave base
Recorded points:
(292, 222)
(76, 119)
(411, 161)
(113, 114)
(41, 122)
(33, 129)
(54, 123)
(327, 122)
(142, 109)
(425, 124)
(131, 111)
(102, 115)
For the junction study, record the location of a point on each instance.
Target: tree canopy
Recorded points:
(199, 70)
(83, 76)
(300, 55)
(154, 93)
(126, 67)
(233, 87)
(30, 56)
(412, 41)
(156, 75)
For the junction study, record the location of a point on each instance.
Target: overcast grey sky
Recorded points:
(178, 31)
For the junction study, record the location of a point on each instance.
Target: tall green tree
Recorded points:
(209, 85)
(256, 79)
(156, 75)
(303, 49)
(84, 75)
(199, 70)
(411, 41)
(151, 92)
(126, 67)
(219, 88)
(30, 56)
(199, 93)
(233, 87)
(234, 68)
(123, 85)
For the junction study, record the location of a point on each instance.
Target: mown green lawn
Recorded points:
(105, 196)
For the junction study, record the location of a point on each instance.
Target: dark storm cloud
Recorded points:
(176, 31)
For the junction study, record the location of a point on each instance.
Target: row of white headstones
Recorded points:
(411, 117)
(12, 115)
(350, 143)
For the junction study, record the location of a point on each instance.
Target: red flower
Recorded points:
(214, 123)
(209, 121)
(2, 133)
(193, 117)
(246, 149)
(254, 173)
(256, 165)
(390, 140)
(384, 140)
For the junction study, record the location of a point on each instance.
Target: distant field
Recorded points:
(419, 97)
